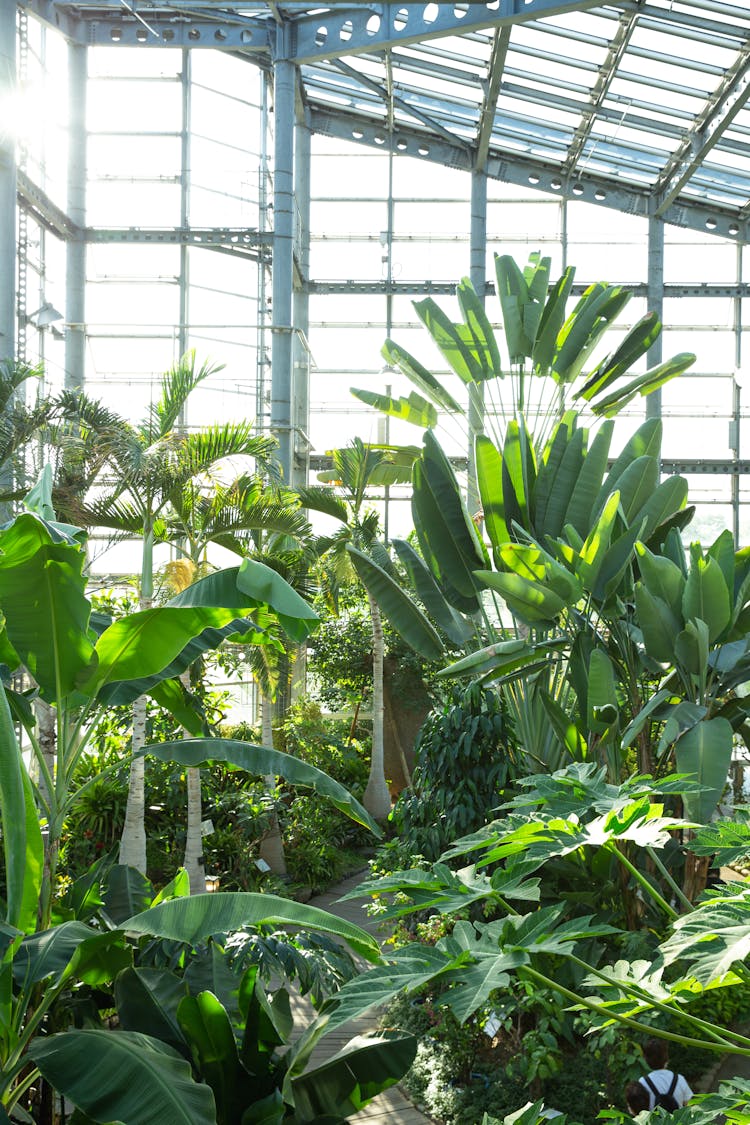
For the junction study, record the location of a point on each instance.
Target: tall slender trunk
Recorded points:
(133, 839)
(272, 844)
(194, 862)
(377, 798)
(46, 732)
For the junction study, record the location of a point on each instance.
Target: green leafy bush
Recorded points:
(465, 759)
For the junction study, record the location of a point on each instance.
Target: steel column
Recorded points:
(301, 310)
(7, 184)
(655, 299)
(478, 275)
(185, 182)
(75, 262)
(283, 261)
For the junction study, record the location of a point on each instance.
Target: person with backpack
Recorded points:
(665, 1088)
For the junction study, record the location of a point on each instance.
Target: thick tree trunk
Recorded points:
(377, 798)
(272, 844)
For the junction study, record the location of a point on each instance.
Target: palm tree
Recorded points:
(357, 468)
(142, 469)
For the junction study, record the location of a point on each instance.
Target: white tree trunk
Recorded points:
(272, 844)
(194, 863)
(133, 840)
(377, 798)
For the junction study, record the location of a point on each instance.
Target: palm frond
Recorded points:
(176, 387)
(323, 500)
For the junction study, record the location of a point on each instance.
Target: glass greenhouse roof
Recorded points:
(638, 105)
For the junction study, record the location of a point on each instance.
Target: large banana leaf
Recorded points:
(262, 760)
(529, 601)
(706, 597)
(705, 751)
(551, 323)
(518, 474)
(659, 624)
(549, 520)
(206, 1027)
(192, 920)
(549, 466)
(456, 342)
(345, 1083)
(477, 322)
(125, 1077)
(522, 303)
(440, 549)
(596, 309)
(405, 617)
(644, 384)
(489, 470)
(456, 628)
(43, 600)
(637, 342)
(147, 1000)
(444, 486)
(414, 409)
(502, 658)
(22, 837)
(646, 441)
(580, 509)
(422, 379)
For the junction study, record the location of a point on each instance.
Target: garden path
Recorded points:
(391, 1107)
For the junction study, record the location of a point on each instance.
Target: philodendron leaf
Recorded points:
(193, 920)
(125, 1077)
(727, 841)
(713, 937)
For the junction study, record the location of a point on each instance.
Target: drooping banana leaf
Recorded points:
(438, 547)
(594, 312)
(405, 617)
(637, 342)
(586, 488)
(455, 341)
(414, 409)
(456, 628)
(644, 384)
(422, 379)
(478, 324)
(489, 470)
(551, 323)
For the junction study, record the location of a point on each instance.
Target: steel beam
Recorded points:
(38, 204)
(246, 242)
(75, 249)
(184, 25)
(367, 28)
(607, 73)
(542, 175)
(722, 108)
(283, 261)
(7, 185)
(438, 288)
(491, 94)
(301, 358)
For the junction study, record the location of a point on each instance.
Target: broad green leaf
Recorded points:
(414, 409)
(726, 841)
(456, 628)
(422, 379)
(549, 467)
(691, 651)
(662, 578)
(518, 473)
(439, 549)
(635, 727)
(602, 692)
(636, 485)
(594, 312)
(44, 604)
(68, 949)
(126, 893)
(125, 1077)
(565, 728)
(706, 597)
(477, 322)
(489, 470)
(586, 488)
(514, 296)
(345, 1083)
(644, 384)
(193, 920)
(501, 657)
(22, 839)
(205, 1026)
(147, 1000)
(615, 562)
(637, 342)
(405, 617)
(658, 624)
(705, 751)
(530, 561)
(452, 342)
(261, 761)
(667, 499)
(549, 520)
(528, 601)
(551, 322)
(712, 938)
(646, 441)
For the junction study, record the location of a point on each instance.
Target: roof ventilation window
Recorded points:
(372, 26)
(401, 19)
(320, 36)
(430, 13)
(345, 32)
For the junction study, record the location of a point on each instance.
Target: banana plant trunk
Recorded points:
(272, 845)
(194, 862)
(377, 798)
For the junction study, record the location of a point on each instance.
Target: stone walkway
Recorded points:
(391, 1106)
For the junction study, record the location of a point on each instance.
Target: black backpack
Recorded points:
(667, 1100)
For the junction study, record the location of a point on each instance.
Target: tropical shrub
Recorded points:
(465, 755)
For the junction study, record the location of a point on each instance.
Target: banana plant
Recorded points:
(166, 1063)
(80, 664)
